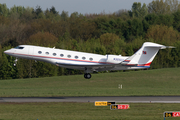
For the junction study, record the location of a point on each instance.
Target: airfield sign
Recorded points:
(176, 114)
(103, 103)
(120, 106)
(171, 114)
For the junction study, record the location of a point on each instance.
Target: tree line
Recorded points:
(122, 32)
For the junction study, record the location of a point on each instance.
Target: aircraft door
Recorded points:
(31, 52)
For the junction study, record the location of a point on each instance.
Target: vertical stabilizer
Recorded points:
(145, 55)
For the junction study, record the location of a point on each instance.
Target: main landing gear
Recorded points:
(87, 75)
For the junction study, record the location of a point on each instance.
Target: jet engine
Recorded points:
(115, 59)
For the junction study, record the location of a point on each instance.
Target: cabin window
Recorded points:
(39, 52)
(83, 58)
(76, 57)
(62, 55)
(54, 54)
(47, 53)
(91, 59)
(19, 47)
(69, 56)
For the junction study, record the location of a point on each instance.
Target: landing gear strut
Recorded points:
(87, 75)
(15, 61)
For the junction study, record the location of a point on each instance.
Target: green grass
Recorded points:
(86, 111)
(135, 83)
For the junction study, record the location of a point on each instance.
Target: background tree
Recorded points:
(38, 13)
(112, 33)
(163, 34)
(4, 11)
(64, 15)
(174, 5)
(42, 39)
(26, 15)
(163, 6)
(176, 21)
(53, 10)
(123, 14)
(138, 11)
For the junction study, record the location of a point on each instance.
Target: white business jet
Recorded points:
(89, 62)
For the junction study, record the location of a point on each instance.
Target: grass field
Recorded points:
(134, 83)
(86, 111)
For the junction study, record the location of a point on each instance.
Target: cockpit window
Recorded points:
(19, 47)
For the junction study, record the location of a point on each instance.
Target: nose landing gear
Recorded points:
(87, 75)
(15, 61)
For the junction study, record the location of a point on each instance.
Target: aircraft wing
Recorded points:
(98, 67)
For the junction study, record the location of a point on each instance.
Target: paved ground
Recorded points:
(137, 99)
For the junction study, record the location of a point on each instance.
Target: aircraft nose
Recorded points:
(8, 52)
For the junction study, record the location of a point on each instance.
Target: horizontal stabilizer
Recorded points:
(170, 47)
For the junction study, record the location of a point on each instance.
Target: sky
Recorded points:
(80, 6)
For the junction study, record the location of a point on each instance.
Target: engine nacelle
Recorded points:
(114, 59)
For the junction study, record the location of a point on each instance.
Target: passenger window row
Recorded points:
(62, 55)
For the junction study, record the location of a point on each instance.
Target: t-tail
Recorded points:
(145, 55)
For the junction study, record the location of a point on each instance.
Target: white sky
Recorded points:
(80, 6)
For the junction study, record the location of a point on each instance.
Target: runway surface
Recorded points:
(121, 99)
